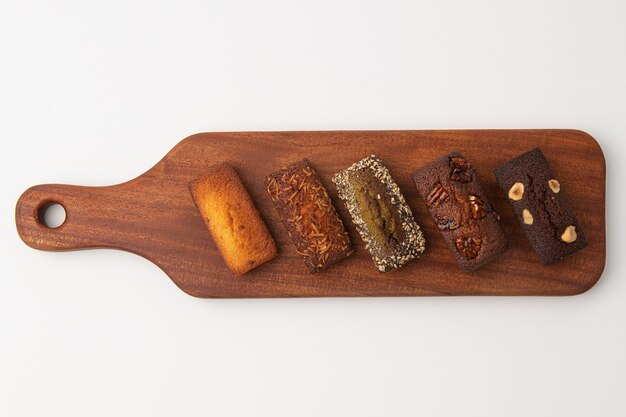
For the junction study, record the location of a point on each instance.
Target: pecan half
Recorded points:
(436, 196)
(461, 169)
(468, 246)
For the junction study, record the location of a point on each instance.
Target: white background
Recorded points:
(94, 93)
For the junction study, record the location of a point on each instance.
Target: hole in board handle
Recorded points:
(51, 215)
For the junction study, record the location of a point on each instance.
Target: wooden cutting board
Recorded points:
(154, 215)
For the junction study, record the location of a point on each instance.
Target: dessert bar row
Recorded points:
(449, 186)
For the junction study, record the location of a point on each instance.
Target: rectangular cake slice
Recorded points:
(380, 213)
(309, 216)
(541, 207)
(232, 218)
(457, 203)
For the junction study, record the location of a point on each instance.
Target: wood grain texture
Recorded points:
(154, 215)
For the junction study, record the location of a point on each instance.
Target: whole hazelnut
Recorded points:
(554, 186)
(569, 235)
(528, 218)
(516, 192)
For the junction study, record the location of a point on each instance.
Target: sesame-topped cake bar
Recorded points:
(380, 213)
(309, 216)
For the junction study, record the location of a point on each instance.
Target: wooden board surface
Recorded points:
(154, 215)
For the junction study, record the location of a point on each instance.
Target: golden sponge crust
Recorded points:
(232, 218)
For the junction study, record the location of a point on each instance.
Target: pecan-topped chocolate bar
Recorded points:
(457, 203)
(537, 198)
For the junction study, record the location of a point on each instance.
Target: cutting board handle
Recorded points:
(89, 216)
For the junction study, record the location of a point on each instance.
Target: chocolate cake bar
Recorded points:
(380, 213)
(309, 216)
(537, 198)
(457, 203)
